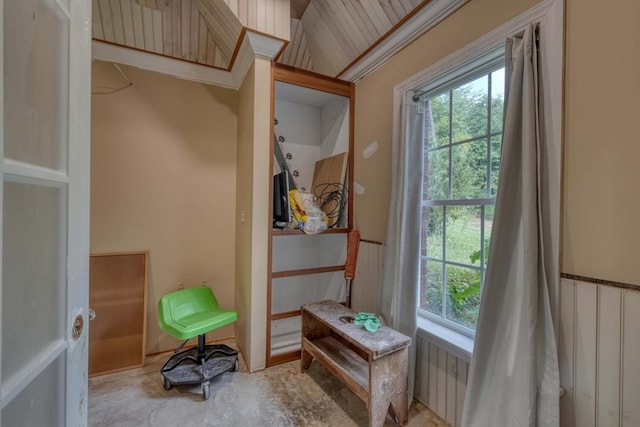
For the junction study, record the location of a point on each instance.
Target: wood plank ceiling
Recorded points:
(325, 36)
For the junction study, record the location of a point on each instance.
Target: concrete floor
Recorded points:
(277, 396)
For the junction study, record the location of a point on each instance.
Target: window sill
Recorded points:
(450, 341)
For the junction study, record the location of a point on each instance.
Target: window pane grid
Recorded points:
(488, 150)
(449, 147)
(475, 138)
(459, 202)
(443, 268)
(482, 244)
(469, 109)
(454, 263)
(461, 155)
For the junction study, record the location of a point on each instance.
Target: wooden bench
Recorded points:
(372, 365)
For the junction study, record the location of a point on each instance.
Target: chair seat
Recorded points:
(190, 312)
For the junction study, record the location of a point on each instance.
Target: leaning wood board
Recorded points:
(118, 294)
(329, 171)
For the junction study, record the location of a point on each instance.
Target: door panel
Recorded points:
(41, 403)
(36, 88)
(44, 200)
(34, 291)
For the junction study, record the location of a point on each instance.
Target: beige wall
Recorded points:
(374, 101)
(244, 208)
(252, 226)
(163, 179)
(601, 235)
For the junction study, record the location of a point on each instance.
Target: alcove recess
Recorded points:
(313, 126)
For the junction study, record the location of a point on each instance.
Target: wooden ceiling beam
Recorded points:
(298, 7)
(161, 5)
(223, 25)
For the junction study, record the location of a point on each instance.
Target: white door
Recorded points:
(44, 200)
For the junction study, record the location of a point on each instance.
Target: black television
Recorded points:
(281, 210)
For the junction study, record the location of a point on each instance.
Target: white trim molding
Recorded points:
(263, 46)
(162, 64)
(251, 46)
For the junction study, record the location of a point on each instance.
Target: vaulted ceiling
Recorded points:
(329, 35)
(324, 36)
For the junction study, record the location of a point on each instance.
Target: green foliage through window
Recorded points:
(462, 143)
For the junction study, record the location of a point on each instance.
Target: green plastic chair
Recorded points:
(190, 313)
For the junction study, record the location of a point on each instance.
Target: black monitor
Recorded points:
(281, 210)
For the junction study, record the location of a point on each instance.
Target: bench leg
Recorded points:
(388, 388)
(378, 412)
(381, 406)
(400, 408)
(305, 360)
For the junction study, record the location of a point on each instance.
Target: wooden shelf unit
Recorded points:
(292, 279)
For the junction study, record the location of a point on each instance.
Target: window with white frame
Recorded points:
(462, 135)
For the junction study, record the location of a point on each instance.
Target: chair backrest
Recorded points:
(190, 312)
(182, 303)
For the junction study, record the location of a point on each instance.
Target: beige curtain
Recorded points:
(514, 377)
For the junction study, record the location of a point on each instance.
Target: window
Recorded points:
(462, 135)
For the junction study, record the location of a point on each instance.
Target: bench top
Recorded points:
(384, 340)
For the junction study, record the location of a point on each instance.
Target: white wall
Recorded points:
(310, 134)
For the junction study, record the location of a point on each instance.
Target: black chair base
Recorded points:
(199, 365)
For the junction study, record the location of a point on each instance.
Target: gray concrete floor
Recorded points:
(277, 396)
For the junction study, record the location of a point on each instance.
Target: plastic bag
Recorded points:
(308, 216)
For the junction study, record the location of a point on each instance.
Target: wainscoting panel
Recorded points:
(608, 356)
(441, 381)
(565, 350)
(630, 357)
(585, 354)
(599, 346)
(366, 284)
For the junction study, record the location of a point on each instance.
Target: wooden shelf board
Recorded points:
(343, 362)
(286, 315)
(305, 271)
(283, 358)
(294, 231)
(293, 313)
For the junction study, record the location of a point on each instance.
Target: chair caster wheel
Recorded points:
(166, 384)
(236, 366)
(206, 391)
